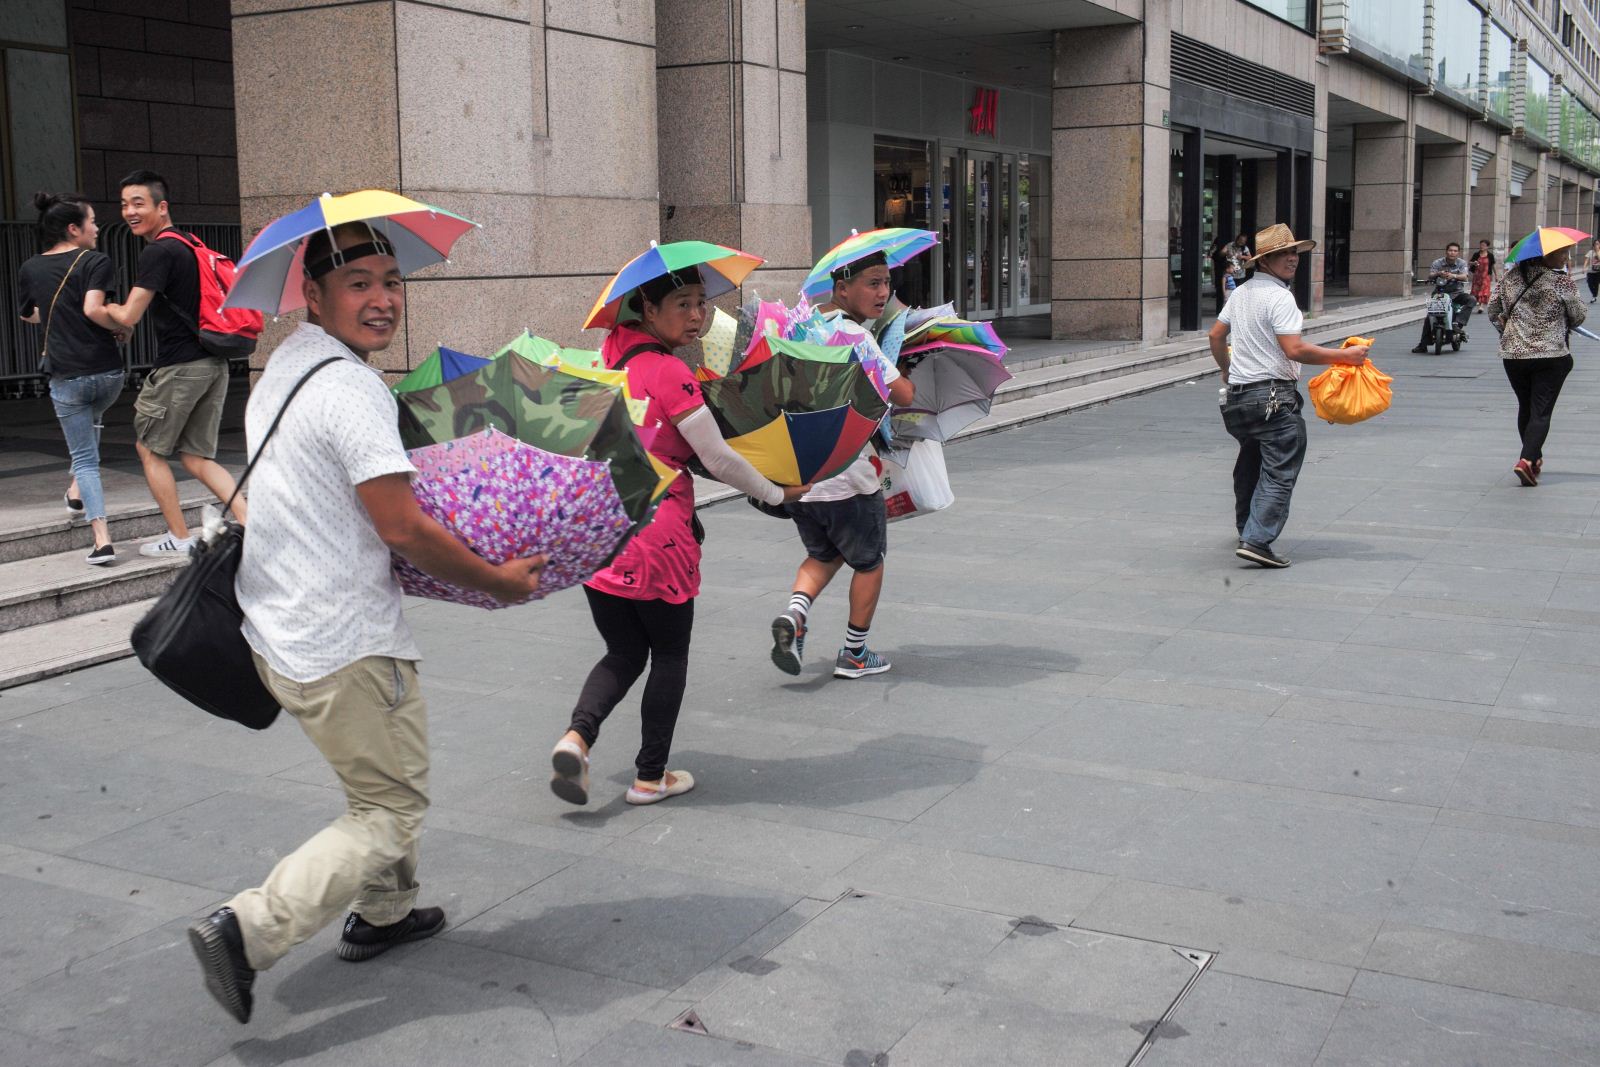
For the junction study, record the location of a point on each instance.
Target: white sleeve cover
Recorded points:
(725, 465)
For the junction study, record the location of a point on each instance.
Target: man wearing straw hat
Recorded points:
(1261, 399)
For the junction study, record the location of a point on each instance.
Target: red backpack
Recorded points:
(227, 333)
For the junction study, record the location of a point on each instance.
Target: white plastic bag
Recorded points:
(920, 486)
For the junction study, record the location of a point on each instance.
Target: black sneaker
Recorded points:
(1259, 554)
(101, 556)
(1420, 350)
(362, 940)
(219, 946)
(73, 503)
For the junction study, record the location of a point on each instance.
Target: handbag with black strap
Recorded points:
(44, 354)
(192, 640)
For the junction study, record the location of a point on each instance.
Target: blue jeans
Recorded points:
(1271, 451)
(80, 405)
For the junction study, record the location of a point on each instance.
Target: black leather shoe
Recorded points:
(362, 940)
(219, 946)
(1259, 554)
(1420, 349)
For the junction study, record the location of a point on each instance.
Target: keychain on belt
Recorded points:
(1273, 403)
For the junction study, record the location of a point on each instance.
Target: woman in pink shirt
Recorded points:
(643, 603)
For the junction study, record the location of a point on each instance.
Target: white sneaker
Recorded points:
(167, 546)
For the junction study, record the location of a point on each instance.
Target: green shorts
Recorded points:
(179, 409)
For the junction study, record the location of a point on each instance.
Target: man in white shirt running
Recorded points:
(1261, 397)
(331, 498)
(842, 520)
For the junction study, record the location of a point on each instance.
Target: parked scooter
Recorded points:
(1447, 320)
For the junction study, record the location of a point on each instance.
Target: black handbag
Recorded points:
(192, 640)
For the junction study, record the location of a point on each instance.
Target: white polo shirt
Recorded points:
(1257, 313)
(315, 581)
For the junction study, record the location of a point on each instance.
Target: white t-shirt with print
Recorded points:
(1257, 313)
(315, 581)
(861, 477)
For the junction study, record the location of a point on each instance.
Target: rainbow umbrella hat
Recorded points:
(898, 244)
(723, 270)
(1543, 241)
(272, 268)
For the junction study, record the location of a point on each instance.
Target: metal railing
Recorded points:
(20, 341)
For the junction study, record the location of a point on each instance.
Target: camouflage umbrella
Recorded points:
(798, 412)
(545, 407)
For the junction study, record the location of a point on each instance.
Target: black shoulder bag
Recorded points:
(696, 527)
(192, 640)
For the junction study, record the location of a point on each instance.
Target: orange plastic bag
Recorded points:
(1347, 394)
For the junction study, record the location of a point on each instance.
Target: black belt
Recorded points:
(1290, 382)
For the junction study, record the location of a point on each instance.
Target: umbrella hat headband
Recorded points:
(335, 257)
(855, 267)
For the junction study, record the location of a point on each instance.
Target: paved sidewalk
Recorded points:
(1364, 793)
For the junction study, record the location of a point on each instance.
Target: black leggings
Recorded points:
(1593, 278)
(637, 631)
(1537, 383)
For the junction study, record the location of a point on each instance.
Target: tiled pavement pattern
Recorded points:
(1370, 785)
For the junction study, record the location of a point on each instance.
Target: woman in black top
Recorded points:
(64, 290)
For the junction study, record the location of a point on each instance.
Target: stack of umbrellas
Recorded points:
(956, 368)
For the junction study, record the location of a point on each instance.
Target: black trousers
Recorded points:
(637, 632)
(1593, 278)
(1537, 383)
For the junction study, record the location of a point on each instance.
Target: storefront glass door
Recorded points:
(994, 227)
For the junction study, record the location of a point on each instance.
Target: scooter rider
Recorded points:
(1452, 272)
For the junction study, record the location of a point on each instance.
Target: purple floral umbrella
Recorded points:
(505, 499)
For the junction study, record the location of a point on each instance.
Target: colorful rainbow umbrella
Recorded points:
(441, 366)
(1543, 241)
(723, 269)
(270, 271)
(898, 244)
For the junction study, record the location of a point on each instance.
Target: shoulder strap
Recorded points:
(182, 313)
(646, 346)
(262, 448)
(1527, 283)
(50, 317)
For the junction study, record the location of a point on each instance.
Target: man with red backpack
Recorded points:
(179, 409)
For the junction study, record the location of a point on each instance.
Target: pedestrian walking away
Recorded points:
(643, 603)
(178, 412)
(1535, 309)
(64, 290)
(1261, 401)
(1482, 266)
(322, 615)
(1591, 270)
(842, 520)
(1455, 273)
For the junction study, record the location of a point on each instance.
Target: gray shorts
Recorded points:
(179, 409)
(856, 529)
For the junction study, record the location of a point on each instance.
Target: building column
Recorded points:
(1383, 163)
(497, 118)
(1109, 250)
(1585, 219)
(1491, 199)
(1552, 196)
(1446, 198)
(1569, 204)
(731, 85)
(1526, 213)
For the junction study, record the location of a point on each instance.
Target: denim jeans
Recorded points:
(80, 405)
(1271, 451)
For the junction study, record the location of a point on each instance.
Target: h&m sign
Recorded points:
(984, 112)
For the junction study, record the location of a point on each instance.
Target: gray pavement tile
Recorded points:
(1136, 734)
(967, 1028)
(1451, 720)
(893, 937)
(967, 880)
(227, 843)
(1488, 964)
(1295, 622)
(1516, 519)
(1562, 688)
(746, 851)
(1255, 699)
(1193, 656)
(1043, 817)
(645, 925)
(1581, 593)
(1544, 735)
(1506, 886)
(46, 928)
(106, 723)
(25, 1051)
(1395, 1020)
(1562, 646)
(636, 1043)
(1279, 969)
(1385, 764)
(1445, 581)
(1226, 1019)
(169, 899)
(57, 798)
(67, 688)
(1505, 553)
(1361, 669)
(1273, 850)
(1111, 601)
(467, 875)
(1530, 783)
(1391, 628)
(1229, 923)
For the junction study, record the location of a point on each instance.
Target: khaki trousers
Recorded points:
(371, 724)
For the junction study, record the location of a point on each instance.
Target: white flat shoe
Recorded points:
(683, 782)
(571, 780)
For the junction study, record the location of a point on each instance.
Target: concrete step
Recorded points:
(129, 524)
(53, 648)
(58, 586)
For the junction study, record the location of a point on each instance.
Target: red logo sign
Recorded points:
(985, 110)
